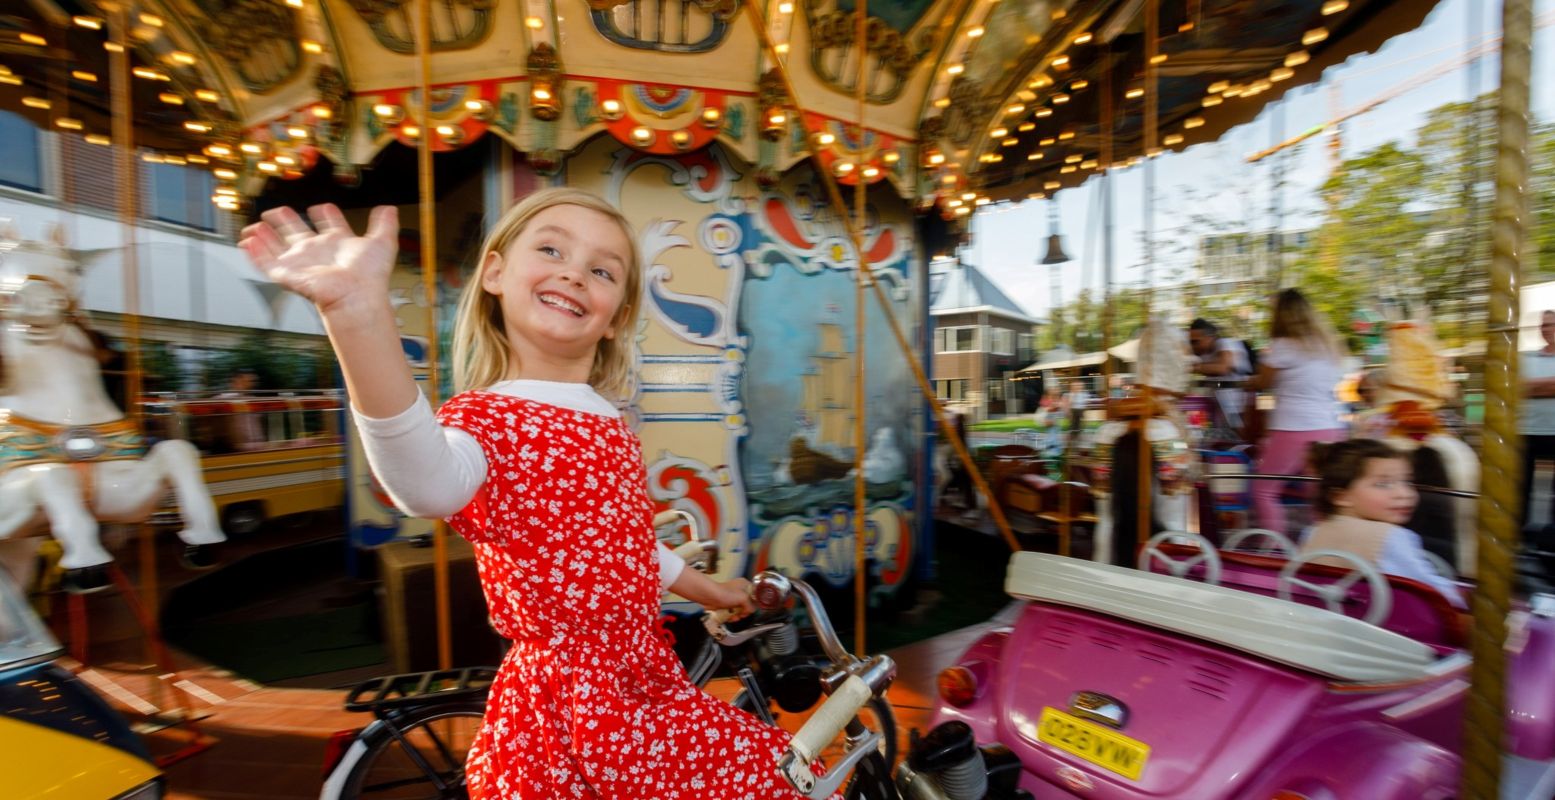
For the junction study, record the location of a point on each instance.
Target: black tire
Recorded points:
(439, 736)
(243, 519)
(877, 707)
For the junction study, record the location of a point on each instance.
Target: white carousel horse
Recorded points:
(1413, 389)
(69, 458)
(1460, 466)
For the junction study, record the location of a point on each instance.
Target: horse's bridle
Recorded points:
(11, 296)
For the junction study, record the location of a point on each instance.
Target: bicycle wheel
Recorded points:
(424, 762)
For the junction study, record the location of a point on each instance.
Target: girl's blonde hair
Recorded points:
(481, 353)
(1295, 318)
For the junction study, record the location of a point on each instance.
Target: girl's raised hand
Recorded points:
(331, 266)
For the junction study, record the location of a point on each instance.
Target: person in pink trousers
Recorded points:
(1301, 369)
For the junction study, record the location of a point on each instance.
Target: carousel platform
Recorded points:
(267, 737)
(268, 742)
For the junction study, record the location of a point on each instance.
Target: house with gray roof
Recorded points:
(981, 338)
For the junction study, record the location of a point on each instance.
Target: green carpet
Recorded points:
(969, 589)
(268, 650)
(281, 613)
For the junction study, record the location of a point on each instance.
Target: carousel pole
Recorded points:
(143, 608)
(881, 300)
(1152, 43)
(860, 436)
(1501, 479)
(129, 210)
(429, 291)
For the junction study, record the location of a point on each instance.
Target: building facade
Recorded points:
(197, 295)
(981, 338)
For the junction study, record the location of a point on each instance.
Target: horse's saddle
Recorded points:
(25, 441)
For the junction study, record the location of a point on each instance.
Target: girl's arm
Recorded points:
(346, 277)
(710, 594)
(1261, 380)
(428, 470)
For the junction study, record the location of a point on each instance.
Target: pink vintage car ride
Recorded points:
(1210, 675)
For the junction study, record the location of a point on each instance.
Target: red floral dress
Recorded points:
(590, 701)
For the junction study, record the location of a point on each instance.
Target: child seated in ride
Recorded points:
(1364, 496)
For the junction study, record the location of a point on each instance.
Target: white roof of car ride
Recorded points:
(1308, 638)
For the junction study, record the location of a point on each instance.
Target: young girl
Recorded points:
(1301, 369)
(535, 466)
(1365, 495)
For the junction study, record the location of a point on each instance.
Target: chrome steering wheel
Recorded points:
(1333, 594)
(1282, 543)
(1180, 567)
(1440, 565)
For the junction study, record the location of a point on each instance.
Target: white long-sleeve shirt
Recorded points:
(434, 471)
(1402, 554)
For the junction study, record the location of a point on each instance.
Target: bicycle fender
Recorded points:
(335, 783)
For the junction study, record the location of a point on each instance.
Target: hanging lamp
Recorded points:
(1055, 243)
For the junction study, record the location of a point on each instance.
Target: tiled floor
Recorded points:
(268, 743)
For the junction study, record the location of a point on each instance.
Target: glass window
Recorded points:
(181, 195)
(956, 340)
(23, 163)
(1003, 342)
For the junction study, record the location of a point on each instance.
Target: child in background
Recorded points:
(534, 465)
(1365, 494)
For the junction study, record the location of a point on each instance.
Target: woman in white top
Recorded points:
(1301, 369)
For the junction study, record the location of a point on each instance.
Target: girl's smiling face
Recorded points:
(1383, 492)
(561, 283)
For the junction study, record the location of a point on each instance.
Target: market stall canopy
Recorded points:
(965, 99)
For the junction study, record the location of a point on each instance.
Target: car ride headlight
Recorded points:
(150, 790)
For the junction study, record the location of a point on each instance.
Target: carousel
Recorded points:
(790, 168)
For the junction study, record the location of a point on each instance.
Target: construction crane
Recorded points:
(1446, 68)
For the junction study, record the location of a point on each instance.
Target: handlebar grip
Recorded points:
(721, 616)
(829, 720)
(669, 517)
(689, 549)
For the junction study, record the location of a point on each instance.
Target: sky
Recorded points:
(1009, 239)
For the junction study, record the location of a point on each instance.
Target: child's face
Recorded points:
(561, 283)
(1382, 493)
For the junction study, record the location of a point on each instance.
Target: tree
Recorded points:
(1408, 227)
(278, 367)
(1541, 256)
(1078, 325)
(160, 370)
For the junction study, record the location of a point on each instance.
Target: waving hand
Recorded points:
(347, 278)
(327, 263)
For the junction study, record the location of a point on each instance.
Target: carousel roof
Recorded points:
(966, 99)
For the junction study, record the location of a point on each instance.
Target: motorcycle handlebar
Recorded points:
(697, 546)
(864, 680)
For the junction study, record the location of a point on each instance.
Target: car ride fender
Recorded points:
(1363, 761)
(62, 765)
(984, 658)
(1530, 686)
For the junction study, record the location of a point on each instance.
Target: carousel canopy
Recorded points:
(967, 100)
